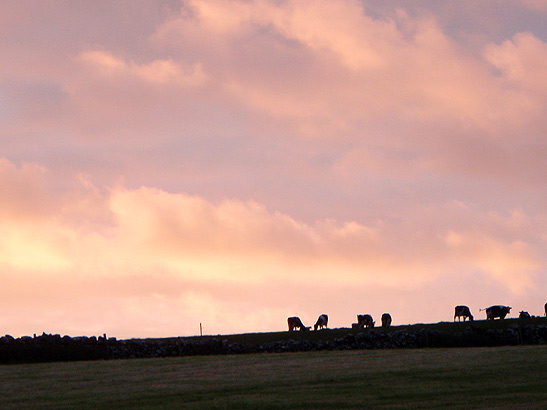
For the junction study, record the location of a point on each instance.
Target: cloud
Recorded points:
(399, 83)
(513, 263)
(155, 72)
(390, 87)
(269, 158)
(22, 188)
(151, 252)
(535, 5)
(522, 61)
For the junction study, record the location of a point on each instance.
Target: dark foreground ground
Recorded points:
(50, 347)
(508, 377)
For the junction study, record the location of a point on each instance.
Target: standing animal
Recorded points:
(365, 321)
(295, 323)
(462, 311)
(322, 321)
(495, 311)
(524, 315)
(386, 320)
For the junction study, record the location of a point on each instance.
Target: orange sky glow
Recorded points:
(168, 163)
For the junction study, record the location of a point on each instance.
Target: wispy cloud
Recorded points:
(158, 71)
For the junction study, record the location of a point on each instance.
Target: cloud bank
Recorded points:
(145, 252)
(235, 162)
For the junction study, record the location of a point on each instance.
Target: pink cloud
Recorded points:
(421, 77)
(536, 5)
(24, 193)
(522, 60)
(268, 158)
(158, 71)
(159, 252)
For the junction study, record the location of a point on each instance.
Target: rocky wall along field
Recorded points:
(52, 347)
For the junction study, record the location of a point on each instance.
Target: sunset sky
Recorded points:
(166, 163)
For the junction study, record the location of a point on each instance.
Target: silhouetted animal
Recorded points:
(365, 321)
(322, 321)
(386, 320)
(495, 311)
(524, 315)
(295, 323)
(462, 311)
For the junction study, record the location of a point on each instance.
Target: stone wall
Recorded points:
(46, 348)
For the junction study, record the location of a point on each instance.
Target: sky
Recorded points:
(166, 163)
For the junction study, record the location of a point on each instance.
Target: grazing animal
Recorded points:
(462, 311)
(365, 321)
(524, 315)
(295, 323)
(495, 311)
(386, 320)
(322, 321)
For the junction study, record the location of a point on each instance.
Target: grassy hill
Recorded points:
(336, 333)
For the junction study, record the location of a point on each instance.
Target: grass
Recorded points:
(456, 378)
(334, 333)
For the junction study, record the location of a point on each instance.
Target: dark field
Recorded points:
(457, 378)
(334, 333)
